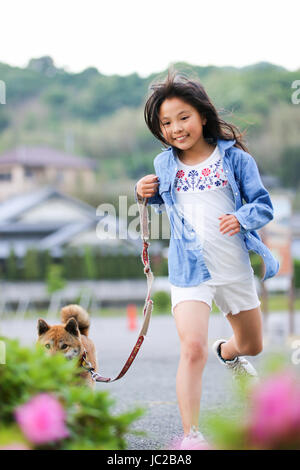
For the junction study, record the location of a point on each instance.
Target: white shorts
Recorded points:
(229, 298)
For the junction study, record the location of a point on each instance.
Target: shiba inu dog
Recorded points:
(70, 338)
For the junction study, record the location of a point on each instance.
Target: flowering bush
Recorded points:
(265, 416)
(274, 421)
(46, 405)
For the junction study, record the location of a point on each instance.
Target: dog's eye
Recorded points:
(47, 346)
(64, 346)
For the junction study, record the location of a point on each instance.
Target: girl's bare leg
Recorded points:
(191, 319)
(247, 339)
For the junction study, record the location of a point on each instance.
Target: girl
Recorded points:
(211, 189)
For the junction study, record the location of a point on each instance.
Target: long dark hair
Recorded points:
(192, 92)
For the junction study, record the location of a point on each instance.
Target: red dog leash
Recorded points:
(144, 224)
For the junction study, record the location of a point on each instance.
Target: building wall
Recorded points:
(16, 184)
(17, 179)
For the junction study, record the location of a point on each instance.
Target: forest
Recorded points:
(99, 116)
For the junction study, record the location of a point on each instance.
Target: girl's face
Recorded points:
(181, 124)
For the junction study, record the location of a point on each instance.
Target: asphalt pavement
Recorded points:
(151, 381)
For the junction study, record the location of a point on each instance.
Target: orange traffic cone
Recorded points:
(132, 316)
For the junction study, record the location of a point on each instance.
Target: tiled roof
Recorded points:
(45, 156)
(11, 208)
(36, 234)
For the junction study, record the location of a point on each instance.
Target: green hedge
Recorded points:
(78, 264)
(297, 273)
(87, 263)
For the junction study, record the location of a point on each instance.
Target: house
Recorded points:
(296, 235)
(48, 219)
(27, 168)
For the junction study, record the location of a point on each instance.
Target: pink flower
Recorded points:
(275, 415)
(42, 419)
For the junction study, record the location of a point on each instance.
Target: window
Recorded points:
(28, 172)
(5, 177)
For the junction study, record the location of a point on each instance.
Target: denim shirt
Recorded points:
(253, 210)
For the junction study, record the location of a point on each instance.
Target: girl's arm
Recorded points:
(258, 210)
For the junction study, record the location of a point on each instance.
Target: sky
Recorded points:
(122, 37)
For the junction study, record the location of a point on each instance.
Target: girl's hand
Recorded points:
(147, 186)
(229, 223)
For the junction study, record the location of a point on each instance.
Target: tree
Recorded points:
(289, 168)
(89, 263)
(43, 65)
(32, 269)
(11, 266)
(55, 280)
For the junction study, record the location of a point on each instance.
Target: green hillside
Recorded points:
(101, 116)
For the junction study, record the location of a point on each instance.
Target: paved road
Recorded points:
(151, 380)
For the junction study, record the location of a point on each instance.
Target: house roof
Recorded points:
(41, 156)
(49, 234)
(12, 208)
(63, 235)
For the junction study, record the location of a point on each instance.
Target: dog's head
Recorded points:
(61, 338)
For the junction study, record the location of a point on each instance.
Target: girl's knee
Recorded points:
(194, 351)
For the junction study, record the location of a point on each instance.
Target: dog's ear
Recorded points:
(72, 327)
(43, 326)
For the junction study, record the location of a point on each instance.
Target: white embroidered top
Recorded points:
(203, 194)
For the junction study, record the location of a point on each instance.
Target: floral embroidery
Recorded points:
(211, 177)
(206, 171)
(179, 174)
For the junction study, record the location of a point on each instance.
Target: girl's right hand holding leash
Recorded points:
(147, 186)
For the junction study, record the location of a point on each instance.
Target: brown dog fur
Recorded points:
(70, 338)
